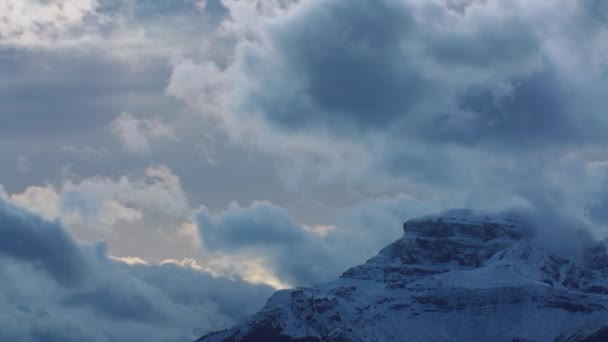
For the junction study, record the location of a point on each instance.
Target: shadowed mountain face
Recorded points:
(455, 276)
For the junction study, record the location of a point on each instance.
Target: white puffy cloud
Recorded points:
(102, 202)
(40, 22)
(135, 31)
(44, 200)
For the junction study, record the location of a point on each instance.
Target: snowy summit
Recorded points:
(455, 276)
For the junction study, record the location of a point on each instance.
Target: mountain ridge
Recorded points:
(454, 276)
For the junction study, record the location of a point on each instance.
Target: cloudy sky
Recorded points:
(168, 164)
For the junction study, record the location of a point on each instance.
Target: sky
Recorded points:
(168, 164)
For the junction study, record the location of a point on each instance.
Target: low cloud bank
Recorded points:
(53, 289)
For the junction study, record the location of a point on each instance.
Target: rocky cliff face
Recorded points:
(457, 276)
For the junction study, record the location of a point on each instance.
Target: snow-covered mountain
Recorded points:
(455, 276)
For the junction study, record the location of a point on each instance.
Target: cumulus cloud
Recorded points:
(422, 70)
(101, 202)
(56, 290)
(114, 28)
(33, 22)
(264, 230)
(144, 213)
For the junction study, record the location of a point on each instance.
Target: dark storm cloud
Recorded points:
(259, 225)
(268, 231)
(597, 9)
(225, 295)
(45, 244)
(488, 43)
(410, 69)
(538, 110)
(55, 290)
(340, 64)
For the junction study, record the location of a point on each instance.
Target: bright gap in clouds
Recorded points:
(244, 146)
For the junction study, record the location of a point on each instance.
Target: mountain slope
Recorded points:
(456, 276)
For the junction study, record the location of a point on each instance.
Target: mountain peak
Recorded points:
(456, 239)
(457, 275)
